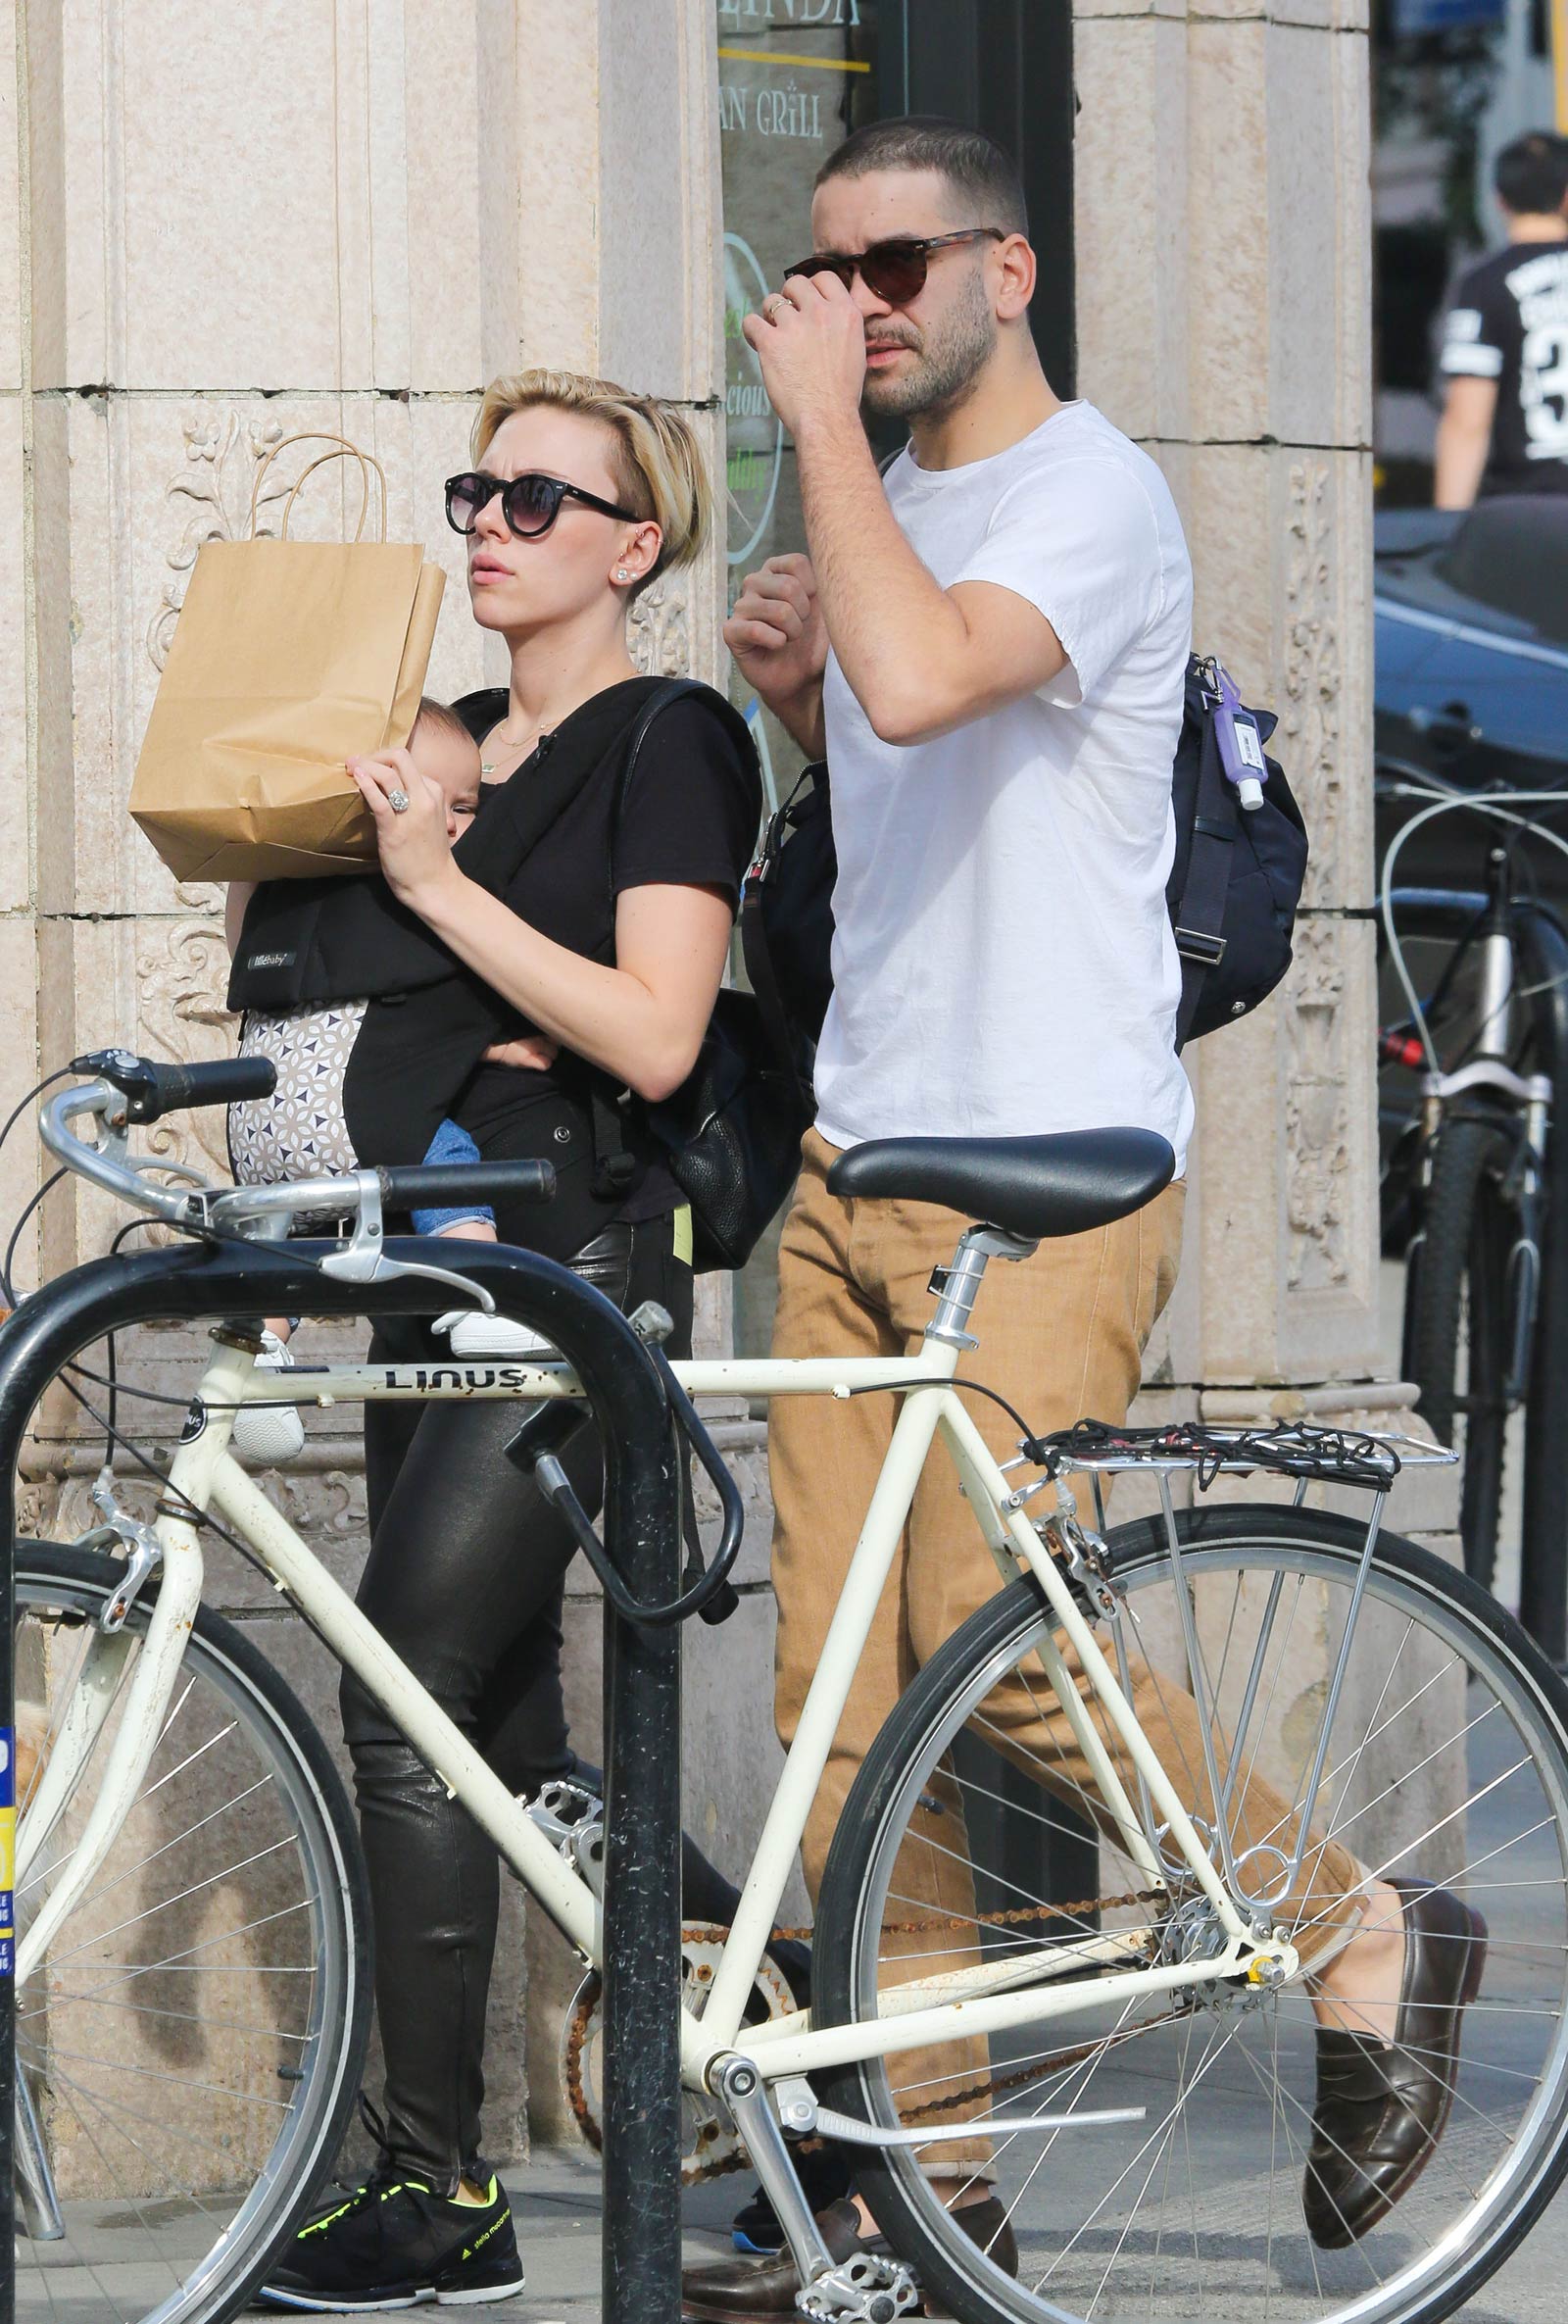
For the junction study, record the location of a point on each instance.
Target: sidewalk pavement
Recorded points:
(556, 2200)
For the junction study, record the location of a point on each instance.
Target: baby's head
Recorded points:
(442, 748)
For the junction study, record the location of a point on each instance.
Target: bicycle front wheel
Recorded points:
(189, 2049)
(1447, 1758)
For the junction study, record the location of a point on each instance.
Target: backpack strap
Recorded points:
(755, 950)
(614, 1167)
(1200, 916)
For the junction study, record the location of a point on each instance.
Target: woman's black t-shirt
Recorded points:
(687, 817)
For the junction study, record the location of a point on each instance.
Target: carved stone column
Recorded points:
(1230, 332)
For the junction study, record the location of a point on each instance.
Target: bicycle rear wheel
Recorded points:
(1447, 1756)
(190, 2046)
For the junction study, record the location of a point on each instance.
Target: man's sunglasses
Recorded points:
(529, 503)
(894, 270)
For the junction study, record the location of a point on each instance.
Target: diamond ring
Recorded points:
(398, 800)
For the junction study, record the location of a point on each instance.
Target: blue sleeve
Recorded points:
(452, 1145)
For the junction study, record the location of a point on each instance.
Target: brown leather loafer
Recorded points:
(1382, 2107)
(758, 2290)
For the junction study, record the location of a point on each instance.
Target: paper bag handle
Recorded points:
(343, 449)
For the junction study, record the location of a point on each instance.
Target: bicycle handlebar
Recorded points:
(150, 1091)
(130, 1089)
(431, 1186)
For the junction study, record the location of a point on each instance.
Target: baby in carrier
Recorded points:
(304, 1129)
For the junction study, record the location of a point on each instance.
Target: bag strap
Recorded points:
(755, 950)
(343, 450)
(614, 1167)
(1200, 916)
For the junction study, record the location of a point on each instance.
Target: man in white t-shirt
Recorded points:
(989, 647)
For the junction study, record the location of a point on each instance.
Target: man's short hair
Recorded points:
(984, 180)
(1531, 175)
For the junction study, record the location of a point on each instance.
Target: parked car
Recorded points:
(1471, 670)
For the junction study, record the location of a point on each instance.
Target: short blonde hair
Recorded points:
(657, 461)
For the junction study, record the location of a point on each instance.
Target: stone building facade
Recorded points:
(222, 225)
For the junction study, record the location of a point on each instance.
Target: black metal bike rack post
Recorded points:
(641, 2268)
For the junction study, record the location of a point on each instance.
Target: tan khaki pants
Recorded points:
(1061, 1336)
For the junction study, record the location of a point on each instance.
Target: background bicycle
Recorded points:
(1473, 1048)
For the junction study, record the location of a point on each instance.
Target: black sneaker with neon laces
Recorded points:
(393, 2244)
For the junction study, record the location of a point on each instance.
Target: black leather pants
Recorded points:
(464, 1581)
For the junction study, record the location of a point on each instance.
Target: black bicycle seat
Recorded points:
(1034, 1187)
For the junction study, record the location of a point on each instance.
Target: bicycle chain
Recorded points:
(705, 1932)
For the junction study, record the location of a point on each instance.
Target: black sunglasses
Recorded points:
(896, 270)
(529, 503)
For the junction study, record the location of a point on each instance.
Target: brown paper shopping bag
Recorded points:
(288, 659)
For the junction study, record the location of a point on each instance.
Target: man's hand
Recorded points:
(810, 339)
(776, 632)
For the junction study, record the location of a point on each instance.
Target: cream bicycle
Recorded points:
(191, 1904)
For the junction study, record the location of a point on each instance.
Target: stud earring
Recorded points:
(621, 574)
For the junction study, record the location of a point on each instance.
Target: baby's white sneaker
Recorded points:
(472, 1333)
(267, 1436)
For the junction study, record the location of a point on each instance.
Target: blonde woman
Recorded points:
(607, 944)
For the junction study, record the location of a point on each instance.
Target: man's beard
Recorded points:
(941, 374)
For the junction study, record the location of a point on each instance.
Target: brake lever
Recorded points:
(366, 1262)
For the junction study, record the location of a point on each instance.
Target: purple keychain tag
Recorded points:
(1241, 745)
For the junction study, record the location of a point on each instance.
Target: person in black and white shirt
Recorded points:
(1505, 425)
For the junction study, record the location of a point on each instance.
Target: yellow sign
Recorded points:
(790, 62)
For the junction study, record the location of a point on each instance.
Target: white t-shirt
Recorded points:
(1002, 962)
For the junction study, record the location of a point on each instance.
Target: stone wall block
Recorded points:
(1278, 116)
(660, 299)
(1353, 168)
(457, 156)
(266, 202)
(73, 264)
(1288, 1231)
(1227, 226)
(1319, 507)
(16, 808)
(83, 840)
(1298, 87)
(22, 1157)
(333, 271)
(549, 230)
(1302, 647)
(9, 209)
(1231, 538)
(1130, 162)
(1315, 16)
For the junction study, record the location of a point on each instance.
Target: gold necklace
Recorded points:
(487, 766)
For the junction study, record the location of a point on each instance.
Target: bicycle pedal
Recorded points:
(868, 2288)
